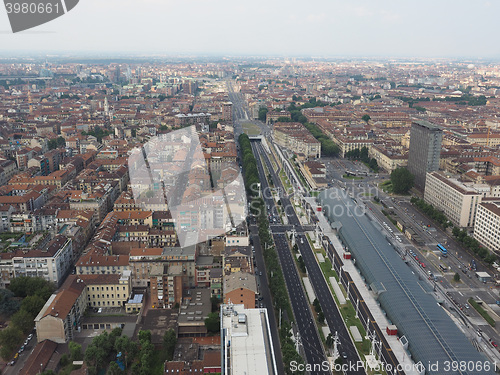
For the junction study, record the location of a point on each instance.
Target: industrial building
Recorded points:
(408, 302)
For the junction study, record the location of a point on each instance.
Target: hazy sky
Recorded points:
(385, 28)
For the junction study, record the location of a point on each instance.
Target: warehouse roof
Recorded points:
(408, 301)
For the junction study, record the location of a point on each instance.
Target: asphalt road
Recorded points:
(321, 289)
(311, 343)
(263, 284)
(21, 360)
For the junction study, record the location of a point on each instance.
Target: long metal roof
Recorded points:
(408, 302)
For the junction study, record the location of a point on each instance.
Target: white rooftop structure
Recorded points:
(246, 341)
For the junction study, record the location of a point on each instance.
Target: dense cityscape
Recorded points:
(249, 216)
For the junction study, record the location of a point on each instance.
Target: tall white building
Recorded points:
(487, 227)
(458, 200)
(246, 341)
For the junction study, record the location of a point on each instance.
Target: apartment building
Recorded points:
(79, 200)
(94, 263)
(61, 315)
(240, 287)
(487, 226)
(108, 290)
(388, 158)
(52, 262)
(458, 200)
(145, 263)
(348, 143)
(238, 236)
(295, 137)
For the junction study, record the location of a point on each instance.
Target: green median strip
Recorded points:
(347, 311)
(482, 312)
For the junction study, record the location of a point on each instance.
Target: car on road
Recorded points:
(494, 344)
(422, 264)
(344, 355)
(12, 363)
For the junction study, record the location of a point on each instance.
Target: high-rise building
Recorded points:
(425, 150)
(227, 111)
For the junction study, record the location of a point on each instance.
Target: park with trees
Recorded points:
(402, 181)
(20, 304)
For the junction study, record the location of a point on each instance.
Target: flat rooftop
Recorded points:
(247, 337)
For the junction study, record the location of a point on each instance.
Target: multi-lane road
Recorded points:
(320, 286)
(312, 348)
(311, 343)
